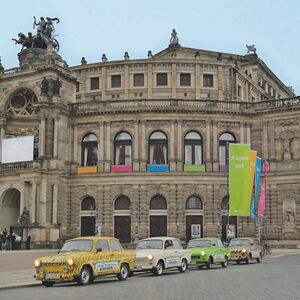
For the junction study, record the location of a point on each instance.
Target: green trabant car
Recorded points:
(208, 251)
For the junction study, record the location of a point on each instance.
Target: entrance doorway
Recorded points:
(123, 228)
(87, 226)
(9, 208)
(194, 227)
(158, 226)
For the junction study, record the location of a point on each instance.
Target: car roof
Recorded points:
(206, 238)
(244, 238)
(94, 238)
(159, 238)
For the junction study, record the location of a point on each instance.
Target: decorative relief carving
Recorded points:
(287, 138)
(21, 130)
(228, 124)
(289, 211)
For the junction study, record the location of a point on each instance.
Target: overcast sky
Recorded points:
(89, 28)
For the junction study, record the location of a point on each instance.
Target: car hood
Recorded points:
(199, 249)
(145, 252)
(239, 248)
(62, 257)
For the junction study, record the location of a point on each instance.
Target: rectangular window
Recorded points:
(77, 87)
(188, 154)
(161, 79)
(138, 79)
(185, 79)
(158, 154)
(95, 83)
(208, 80)
(115, 81)
(222, 155)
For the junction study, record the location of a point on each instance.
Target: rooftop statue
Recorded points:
(174, 38)
(44, 35)
(251, 49)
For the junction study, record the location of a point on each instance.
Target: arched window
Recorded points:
(122, 203)
(158, 202)
(89, 150)
(123, 149)
(225, 203)
(88, 203)
(194, 202)
(158, 148)
(224, 141)
(193, 148)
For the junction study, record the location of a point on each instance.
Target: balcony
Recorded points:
(20, 166)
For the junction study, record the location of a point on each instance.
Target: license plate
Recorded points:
(52, 276)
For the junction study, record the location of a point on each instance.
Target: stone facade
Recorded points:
(203, 92)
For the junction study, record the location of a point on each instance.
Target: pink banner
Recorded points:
(263, 192)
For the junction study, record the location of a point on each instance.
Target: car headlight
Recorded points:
(150, 257)
(70, 262)
(244, 250)
(202, 253)
(37, 263)
(66, 269)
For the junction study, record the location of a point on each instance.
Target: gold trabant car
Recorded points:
(245, 249)
(84, 258)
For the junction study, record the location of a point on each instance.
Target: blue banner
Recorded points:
(256, 187)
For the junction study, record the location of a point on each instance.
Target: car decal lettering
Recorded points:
(173, 260)
(106, 265)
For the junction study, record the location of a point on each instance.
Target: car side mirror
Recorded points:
(98, 249)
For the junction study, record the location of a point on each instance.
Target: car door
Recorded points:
(116, 255)
(215, 251)
(170, 254)
(102, 258)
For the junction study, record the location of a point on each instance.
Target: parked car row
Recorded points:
(85, 258)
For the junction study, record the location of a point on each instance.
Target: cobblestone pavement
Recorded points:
(275, 278)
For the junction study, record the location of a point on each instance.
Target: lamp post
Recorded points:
(177, 223)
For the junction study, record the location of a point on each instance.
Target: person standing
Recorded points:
(28, 242)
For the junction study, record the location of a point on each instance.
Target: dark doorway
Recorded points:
(158, 226)
(228, 221)
(195, 221)
(87, 226)
(123, 228)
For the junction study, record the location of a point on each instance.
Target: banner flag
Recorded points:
(256, 187)
(252, 156)
(262, 199)
(239, 180)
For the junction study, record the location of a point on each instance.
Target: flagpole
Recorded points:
(227, 158)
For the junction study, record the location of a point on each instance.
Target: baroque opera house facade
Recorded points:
(139, 147)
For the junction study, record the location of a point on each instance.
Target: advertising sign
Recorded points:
(195, 231)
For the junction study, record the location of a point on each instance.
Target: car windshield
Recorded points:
(150, 244)
(199, 243)
(78, 245)
(239, 243)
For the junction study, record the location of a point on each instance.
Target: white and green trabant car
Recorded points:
(208, 251)
(159, 253)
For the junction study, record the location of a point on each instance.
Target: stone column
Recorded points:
(215, 145)
(220, 82)
(179, 147)
(54, 207)
(136, 147)
(108, 155)
(197, 81)
(42, 128)
(33, 203)
(174, 81)
(150, 81)
(172, 146)
(75, 158)
(208, 162)
(248, 128)
(101, 148)
(242, 141)
(55, 139)
(42, 202)
(143, 161)
(103, 82)
(126, 82)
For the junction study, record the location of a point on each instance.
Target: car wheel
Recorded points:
(48, 283)
(259, 260)
(247, 260)
(209, 263)
(183, 266)
(225, 263)
(130, 273)
(85, 276)
(159, 268)
(200, 267)
(238, 262)
(124, 270)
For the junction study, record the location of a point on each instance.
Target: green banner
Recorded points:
(239, 180)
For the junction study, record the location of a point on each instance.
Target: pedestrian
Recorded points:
(18, 242)
(28, 242)
(1, 240)
(13, 241)
(8, 244)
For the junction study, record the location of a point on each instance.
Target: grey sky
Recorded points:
(89, 28)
